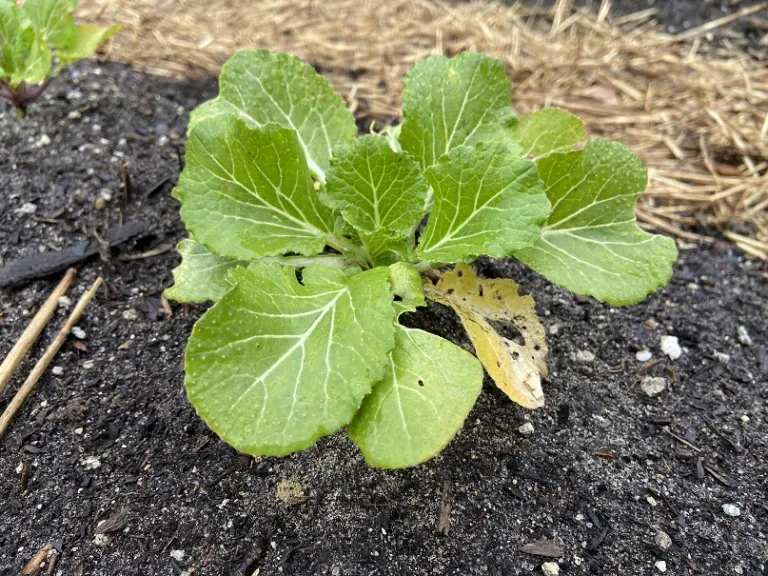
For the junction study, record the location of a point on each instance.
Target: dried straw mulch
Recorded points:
(697, 115)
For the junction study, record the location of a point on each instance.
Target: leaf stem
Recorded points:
(345, 246)
(328, 260)
(422, 266)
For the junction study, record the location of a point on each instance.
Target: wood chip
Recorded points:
(545, 548)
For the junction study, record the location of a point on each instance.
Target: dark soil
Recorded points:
(680, 15)
(600, 476)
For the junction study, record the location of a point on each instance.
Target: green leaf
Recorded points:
(591, 243)
(384, 247)
(202, 275)
(421, 404)
(392, 135)
(375, 187)
(36, 64)
(88, 38)
(487, 201)
(54, 20)
(407, 286)
(548, 130)
(447, 101)
(247, 193)
(23, 56)
(501, 129)
(275, 364)
(279, 88)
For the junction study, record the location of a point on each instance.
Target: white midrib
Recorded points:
(287, 354)
(450, 236)
(310, 161)
(313, 230)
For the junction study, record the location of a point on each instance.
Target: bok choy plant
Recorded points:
(312, 242)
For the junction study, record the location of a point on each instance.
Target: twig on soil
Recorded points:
(443, 521)
(162, 249)
(682, 440)
(33, 566)
(29, 384)
(41, 264)
(30, 335)
(125, 178)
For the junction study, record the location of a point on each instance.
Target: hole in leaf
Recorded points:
(515, 355)
(508, 331)
(537, 347)
(421, 383)
(460, 274)
(480, 290)
(398, 298)
(450, 290)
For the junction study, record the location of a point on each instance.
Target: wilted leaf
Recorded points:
(486, 307)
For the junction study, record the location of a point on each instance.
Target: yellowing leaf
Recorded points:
(517, 368)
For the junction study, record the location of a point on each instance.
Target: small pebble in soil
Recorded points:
(65, 301)
(130, 314)
(526, 429)
(671, 347)
(26, 208)
(720, 357)
(661, 566)
(585, 356)
(651, 324)
(643, 356)
(88, 364)
(100, 203)
(57, 371)
(79, 431)
(178, 555)
(101, 539)
(744, 419)
(731, 510)
(662, 540)
(652, 501)
(91, 463)
(43, 141)
(744, 338)
(75, 115)
(653, 385)
(550, 568)
(78, 333)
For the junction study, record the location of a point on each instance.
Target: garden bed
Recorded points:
(114, 438)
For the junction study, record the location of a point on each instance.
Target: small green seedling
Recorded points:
(38, 39)
(312, 243)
